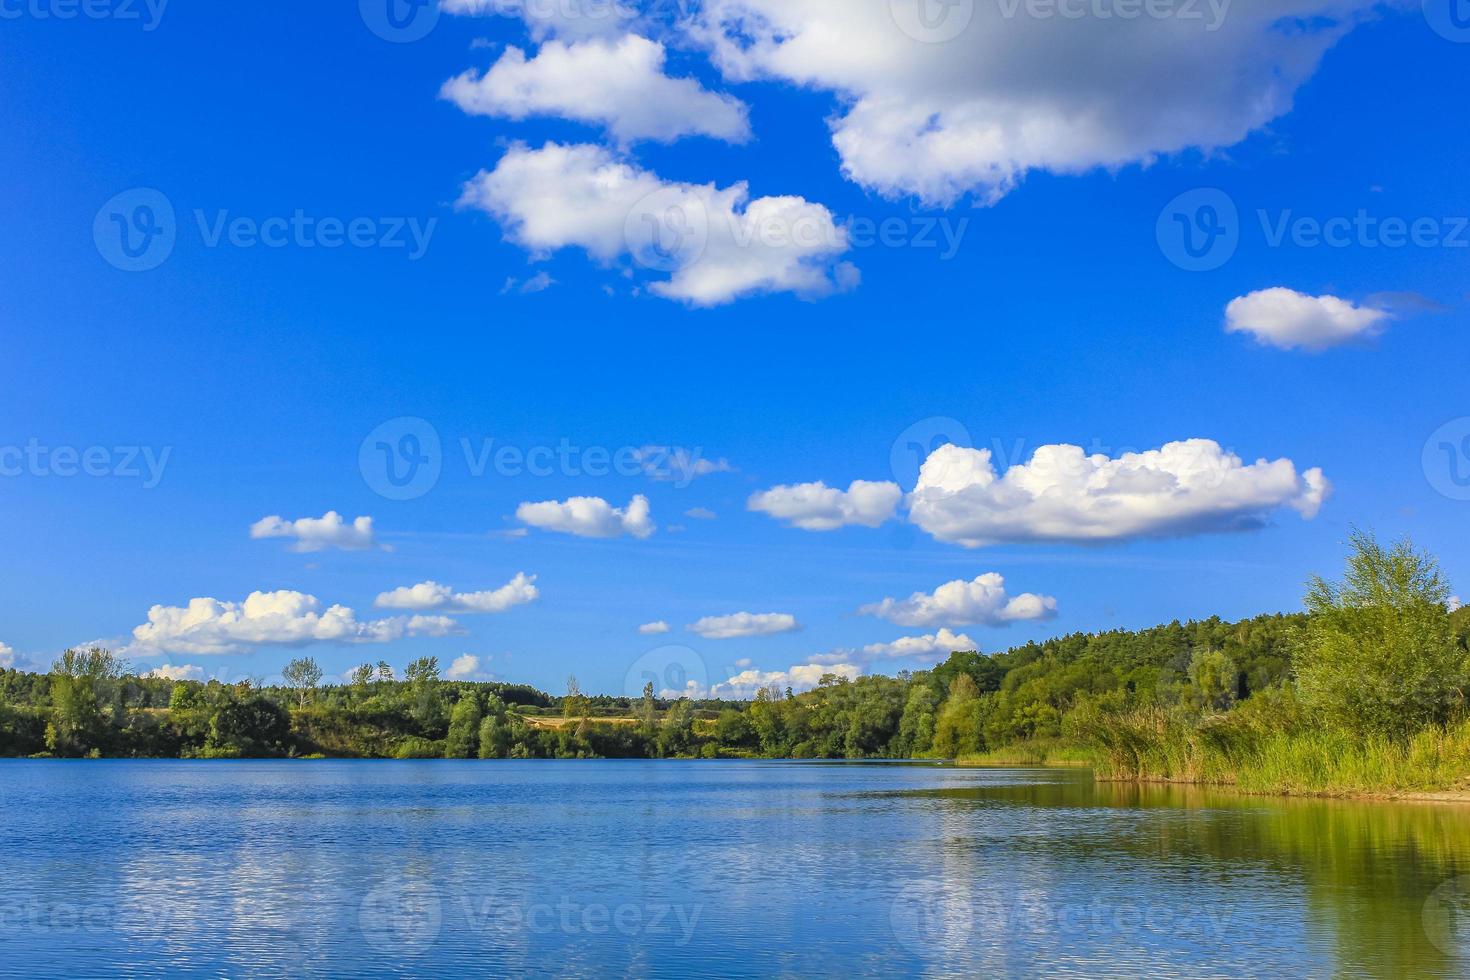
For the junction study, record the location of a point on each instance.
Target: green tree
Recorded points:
(464, 728)
(1214, 678)
(957, 727)
(84, 697)
(362, 676)
(495, 731)
(1378, 653)
(302, 676)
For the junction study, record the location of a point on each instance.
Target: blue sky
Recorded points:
(521, 315)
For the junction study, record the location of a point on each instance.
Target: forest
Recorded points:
(1364, 689)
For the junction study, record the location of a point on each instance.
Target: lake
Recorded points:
(679, 869)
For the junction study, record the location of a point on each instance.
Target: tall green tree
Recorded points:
(302, 675)
(463, 739)
(1378, 654)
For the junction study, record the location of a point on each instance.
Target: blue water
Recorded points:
(679, 869)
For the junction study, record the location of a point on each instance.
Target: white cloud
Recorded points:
(701, 514)
(538, 283)
(744, 624)
(799, 677)
(176, 672)
(617, 84)
(284, 618)
(818, 507)
(981, 601)
(717, 245)
(318, 533)
(1454, 605)
(1063, 494)
(929, 648)
(677, 465)
(561, 18)
(433, 597)
(589, 517)
(7, 656)
(468, 667)
(1285, 318)
(655, 627)
(1010, 91)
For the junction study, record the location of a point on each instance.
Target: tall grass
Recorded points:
(1035, 752)
(1252, 751)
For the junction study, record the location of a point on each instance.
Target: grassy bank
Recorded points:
(1244, 753)
(1034, 752)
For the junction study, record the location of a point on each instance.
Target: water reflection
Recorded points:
(718, 869)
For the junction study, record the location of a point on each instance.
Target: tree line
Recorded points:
(1379, 654)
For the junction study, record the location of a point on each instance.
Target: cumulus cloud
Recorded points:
(930, 648)
(574, 19)
(618, 84)
(818, 507)
(7, 656)
(743, 624)
(1009, 92)
(468, 667)
(284, 618)
(653, 628)
(800, 677)
(433, 597)
(1063, 494)
(589, 517)
(716, 244)
(701, 514)
(176, 672)
(980, 601)
(677, 465)
(318, 533)
(1285, 318)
